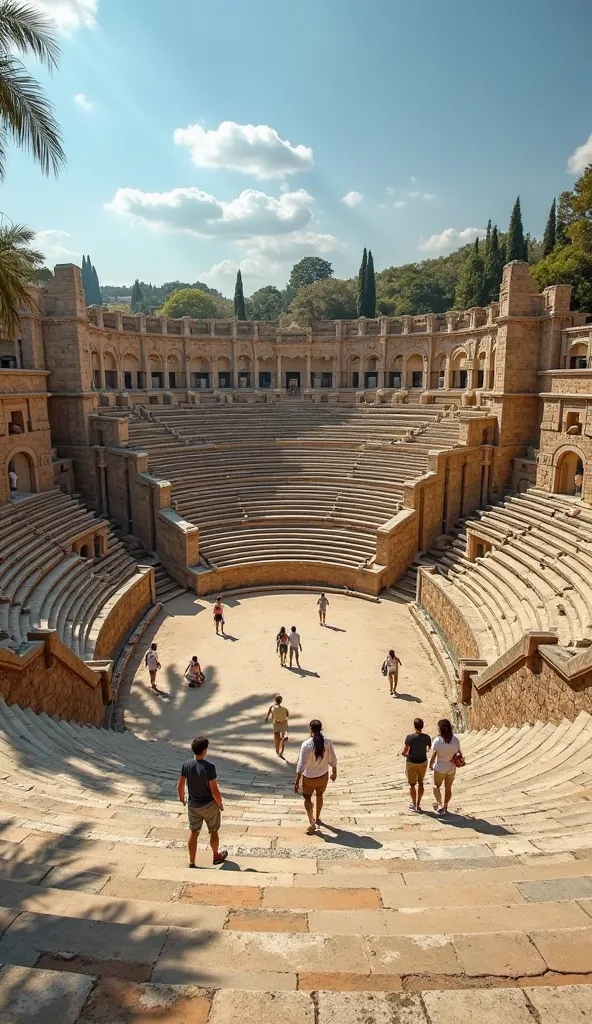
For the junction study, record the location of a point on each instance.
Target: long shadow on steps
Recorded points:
(456, 819)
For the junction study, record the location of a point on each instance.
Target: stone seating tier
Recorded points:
(398, 917)
(43, 583)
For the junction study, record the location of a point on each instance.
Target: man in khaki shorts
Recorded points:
(204, 802)
(415, 750)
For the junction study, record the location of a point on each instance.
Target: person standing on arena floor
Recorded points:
(444, 749)
(323, 603)
(415, 750)
(152, 664)
(281, 645)
(279, 715)
(295, 645)
(204, 801)
(316, 757)
(390, 668)
(219, 615)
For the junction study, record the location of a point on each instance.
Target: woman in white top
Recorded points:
(316, 757)
(444, 749)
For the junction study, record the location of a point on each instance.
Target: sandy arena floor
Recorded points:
(340, 681)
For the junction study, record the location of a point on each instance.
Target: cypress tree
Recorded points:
(362, 285)
(525, 257)
(493, 269)
(488, 236)
(515, 237)
(370, 303)
(96, 288)
(137, 297)
(550, 236)
(239, 299)
(471, 285)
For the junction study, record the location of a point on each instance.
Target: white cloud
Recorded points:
(581, 157)
(294, 245)
(449, 239)
(54, 246)
(352, 199)
(249, 148)
(82, 101)
(399, 204)
(69, 15)
(193, 211)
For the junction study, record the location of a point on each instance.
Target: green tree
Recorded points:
(550, 236)
(568, 265)
(370, 301)
(137, 298)
(331, 299)
(189, 302)
(515, 236)
(96, 288)
(309, 270)
(19, 263)
(26, 115)
(471, 285)
(493, 268)
(239, 298)
(488, 235)
(265, 304)
(362, 272)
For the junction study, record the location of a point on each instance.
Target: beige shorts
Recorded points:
(439, 777)
(210, 813)
(281, 727)
(415, 772)
(310, 786)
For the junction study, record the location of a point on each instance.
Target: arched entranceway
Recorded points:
(20, 463)
(569, 474)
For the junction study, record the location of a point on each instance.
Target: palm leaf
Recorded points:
(25, 29)
(18, 262)
(27, 116)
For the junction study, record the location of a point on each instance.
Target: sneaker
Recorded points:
(442, 811)
(220, 857)
(412, 807)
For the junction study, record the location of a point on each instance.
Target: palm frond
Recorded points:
(27, 116)
(27, 30)
(18, 262)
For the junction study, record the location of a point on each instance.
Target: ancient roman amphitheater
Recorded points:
(433, 475)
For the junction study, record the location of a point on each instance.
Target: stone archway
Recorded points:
(21, 463)
(569, 473)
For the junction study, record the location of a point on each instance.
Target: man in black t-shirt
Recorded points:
(204, 802)
(415, 750)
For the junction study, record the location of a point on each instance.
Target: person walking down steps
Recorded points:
(279, 716)
(281, 645)
(323, 603)
(295, 645)
(446, 758)
(317, 755)
(390, 668)
(415, 750)
(203, 799)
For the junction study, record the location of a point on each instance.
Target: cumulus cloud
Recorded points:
(54, 245)
(581, 157)
(399, 204)
(82, 101)
(69, 15)
(294, 244)
(352, 199)
(196, 212)
(450, 238)
(254, 149)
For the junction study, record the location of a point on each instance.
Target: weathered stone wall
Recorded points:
(123, 612)
(320, 574)
(177, 543)
(23, 398)
(447, 618)
(51, 678)
(531, 692)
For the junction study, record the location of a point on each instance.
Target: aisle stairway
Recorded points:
(384, 916)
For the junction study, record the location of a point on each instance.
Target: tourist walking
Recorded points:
(193, 673)
(446, 755)
(279, 716)
(316, 757)
(203, 799)
(219, 616)
(12, 479)
(322, 603)
(415, 750)
(390, 668)
(281, 645)
(152, 664)
(295, 645)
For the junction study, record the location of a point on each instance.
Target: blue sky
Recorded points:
(205, 136)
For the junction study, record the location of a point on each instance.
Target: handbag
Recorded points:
(384, 669)
(458, 760)
(201, 678)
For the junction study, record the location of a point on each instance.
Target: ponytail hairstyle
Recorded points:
(445, 730)
(318, 739)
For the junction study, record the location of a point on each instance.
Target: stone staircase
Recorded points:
(166, 587)
(384, 916)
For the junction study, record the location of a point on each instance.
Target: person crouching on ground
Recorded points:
(316, 757)
(193, 673)
(415, 750)
(204, 801)
(279, 715)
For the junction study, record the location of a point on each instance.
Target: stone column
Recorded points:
(99, 315)
(278, 382)
(144, 364)
(470, 368)
(101, 371)
(308, 382)
(17, 353)
(164, 323)
(447, 374)
(118, 320)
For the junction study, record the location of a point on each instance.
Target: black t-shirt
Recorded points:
(419, 743)
(199, 774)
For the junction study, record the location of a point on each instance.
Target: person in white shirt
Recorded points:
(12, 480)
(152, 664)
(444, 749)
(316, 757)
(295, 645)
(323, 603)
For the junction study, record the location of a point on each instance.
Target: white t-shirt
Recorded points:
(444, 753)
(322, 603)
(13, 479)
(152, 660)
(295, 640)
(308, 764)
